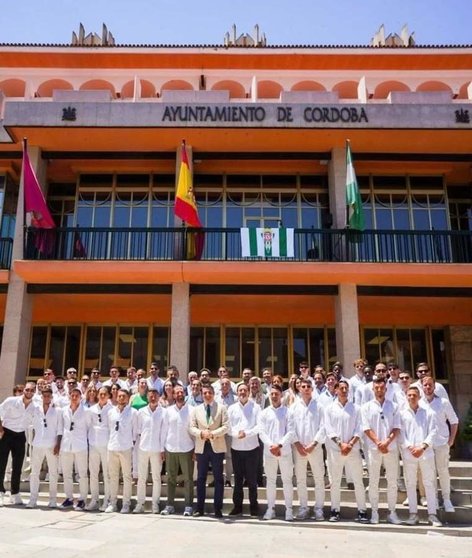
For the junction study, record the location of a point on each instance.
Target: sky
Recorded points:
(284, 22)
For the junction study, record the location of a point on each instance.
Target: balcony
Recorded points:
(178, 244)
(6, 246)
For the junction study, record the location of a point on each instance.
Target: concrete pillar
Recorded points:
(337, 187)
(459, 344)
(347, 326)
(180, 328)
(19, 306)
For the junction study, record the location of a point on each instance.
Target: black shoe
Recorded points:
(350, 486)
(254, 512)
(236, 512)
(218, 514)
(198, 513)
(335, 516)
(362, 517)
(228, 484)
(211, 484)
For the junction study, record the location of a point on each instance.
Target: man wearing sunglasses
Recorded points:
(47, 428)
(15, 413)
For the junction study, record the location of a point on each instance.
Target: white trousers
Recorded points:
(339, 463)
(315, 459)
(37, 458)
(390, 462)
(146, 458)
(441, 458)
(99, 456)
(79, 459)
(120, 460)
(271, 466)
(428, 473)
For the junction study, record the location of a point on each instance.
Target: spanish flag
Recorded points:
(185, 207)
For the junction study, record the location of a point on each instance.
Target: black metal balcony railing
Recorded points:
(171, 244)
(6, 247)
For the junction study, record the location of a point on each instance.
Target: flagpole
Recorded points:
(346, 221)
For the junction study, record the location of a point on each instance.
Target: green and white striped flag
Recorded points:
(267, 243)
(353, 196)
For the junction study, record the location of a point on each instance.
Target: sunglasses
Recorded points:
(71, 426)
(45, 424)
(99, 417)
(117, 426)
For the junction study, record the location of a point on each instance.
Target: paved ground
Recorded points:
(53, 533)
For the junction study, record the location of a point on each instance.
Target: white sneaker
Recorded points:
(155, 508)
(111, 508)
(423, 501)
(303, 513)
(104, 506)
(289, 514)
(374, 517)
(16, 500)
(269, 514)
(138, 509)
(168, 510)
(52, 504)
(319, 514)
(92, 506)
(2, 499)
(434, 521)
(448, 507)
(31, 505)
(405, 502)
(188, 511)
(393, 518)
(412, 519)
(125, 508)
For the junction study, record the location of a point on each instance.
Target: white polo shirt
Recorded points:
(341, 422)
(123, 428)
(178, 439)
(244, 418)
(382, 419)
(152, 429)
(76, 427)
(308, 422)
(46, 426)
(14, 415)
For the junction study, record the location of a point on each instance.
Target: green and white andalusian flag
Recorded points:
(353, 196)
(267, 243)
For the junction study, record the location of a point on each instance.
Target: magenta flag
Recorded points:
(35, 204)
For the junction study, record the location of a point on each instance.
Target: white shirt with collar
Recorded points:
(343, 422)
(61, 399)
(155, 383)
(390, 393)
(178, 439)
(99, 431)
(382, 419)
(356, 382)
(76, 427)
(152, 429)
(123, 428)
(444, 413)
(15, 416)
(417, 428)
(326, 398)
(439, 389)
(244, 418)
(46, 426)
(111, 383)
(226, 400)
(276, 428)
(308, 422)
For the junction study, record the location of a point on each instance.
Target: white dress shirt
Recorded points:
(178, 438)
(15, 416)
(326, 398)
(152, 429)
(444, 414)
(155, 383)
(110, 383)
(417, 428)
(46, 426)
(308, 422)
(99, 431)
(390, 393)
(61, 399)
(342, 422)
(244, 418)
(439, 389)
(276, 428)
(76, 427)
(123, 428)
(382, 419)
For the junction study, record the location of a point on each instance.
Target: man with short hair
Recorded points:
(343, 432)
(381, 425)
(223, 373)
(357, 381)
(243, 420)
(227, 397)
(195, 398)
(95, 378)
(48, 428)
(122, 421)
(209, 424)
(423, 370)
(404, 381)
(329, 394)
(319, 380)
(205, 375)
(114, 378)
(15, 415)
(276, 431)
(392, 389)
(131, 384)
(308, 439)
(179, 446)
(74, 449)
(447, 424)
(246, 375)
(266, 380)
(152, 433)
(418, 433)
(192, 375)
(304, 372)
(393, 372)
(153, 380)
(61, 395)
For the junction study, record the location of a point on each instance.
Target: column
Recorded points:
(459, 344)
(180, 328)
(347, 326)
(337, 187)
(14, 358)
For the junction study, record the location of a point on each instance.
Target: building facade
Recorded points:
(266, 128)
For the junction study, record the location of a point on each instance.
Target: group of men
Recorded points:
(327, 421)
